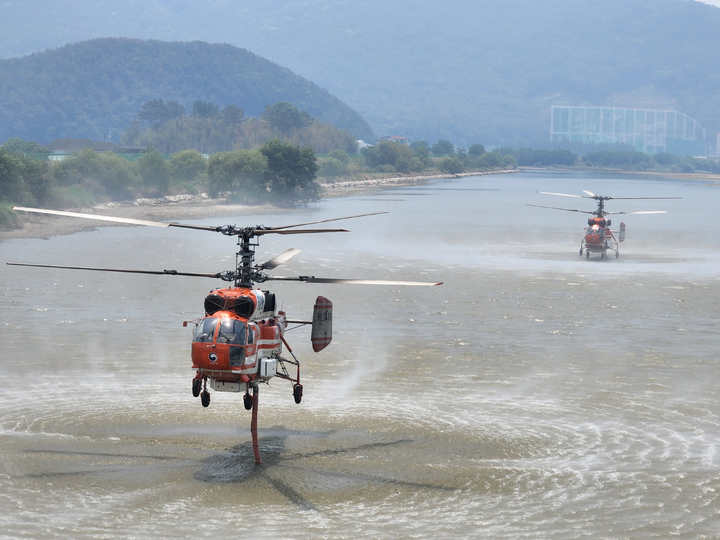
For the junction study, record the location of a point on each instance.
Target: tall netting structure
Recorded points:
(648, 130)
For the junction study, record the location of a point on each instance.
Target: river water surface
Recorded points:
(536, 394)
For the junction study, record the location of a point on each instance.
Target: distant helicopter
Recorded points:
(598, 236)
(238, 343)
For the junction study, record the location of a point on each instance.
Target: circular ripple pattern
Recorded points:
(534, 395)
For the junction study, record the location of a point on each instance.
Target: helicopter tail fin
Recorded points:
(621, 237)
(321, 335)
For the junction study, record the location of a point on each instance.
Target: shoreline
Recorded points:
(189, 207)
(679, 175)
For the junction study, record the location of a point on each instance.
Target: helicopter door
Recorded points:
(253, 337)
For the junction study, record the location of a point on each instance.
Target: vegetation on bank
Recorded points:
(277, 171)
(612, 159)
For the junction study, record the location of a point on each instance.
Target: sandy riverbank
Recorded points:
(188, 207)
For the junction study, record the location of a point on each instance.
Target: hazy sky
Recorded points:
(711, 2)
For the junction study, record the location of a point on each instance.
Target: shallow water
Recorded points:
(535, 394)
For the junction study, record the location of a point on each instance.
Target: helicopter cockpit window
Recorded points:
(205, 330)
(232, 331)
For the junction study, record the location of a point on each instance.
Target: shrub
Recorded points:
(331, 166)
(188, 165)
(451, 165)
(9, 218)
(416, 165)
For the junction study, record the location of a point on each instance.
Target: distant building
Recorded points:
(396, 139)
(648, 130)
(69, 146)
(130, 149)
(716, 155)
(362, 144)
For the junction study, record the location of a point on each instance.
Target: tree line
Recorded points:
(276, 172)
(629, 160)
(443, 155)
(167, 127)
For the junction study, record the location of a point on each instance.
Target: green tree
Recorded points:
(233, 115)
(417, 165)
(476, 150)
(187, 165)
(241, 172)
(421, 149)
(340, 155)
(285, 117)
(443, 147)
(661, 158)
(157, 112)
(493, 159)
(105, 174)
(173, 110)
(331, 167)
(132, 134)
(205, 109)
(16, 145)
(510, 161)
(154, 170)
(11, 182)
(291, 172)
(22, 179)
(388, 153)
(451, 165)
(419, 144)
(36, 179)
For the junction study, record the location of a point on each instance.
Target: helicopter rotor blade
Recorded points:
(648, 212)
(230, 229)
(590, 193)
(565, 195)
(151, 272)
(556, 208)
(260, 232)
(639, 198)
(323, 221)
(279, 259)
(313, 279)
(99, 217)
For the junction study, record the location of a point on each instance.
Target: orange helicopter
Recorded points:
(599, 238)
(237, 344)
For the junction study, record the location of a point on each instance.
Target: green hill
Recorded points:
(89, 88)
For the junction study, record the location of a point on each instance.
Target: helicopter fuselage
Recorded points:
(599, 239)
(239, 341)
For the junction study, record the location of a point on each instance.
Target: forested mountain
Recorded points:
(89, 88)
(466, 70)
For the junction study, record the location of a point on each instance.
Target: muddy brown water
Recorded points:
(535, 394)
